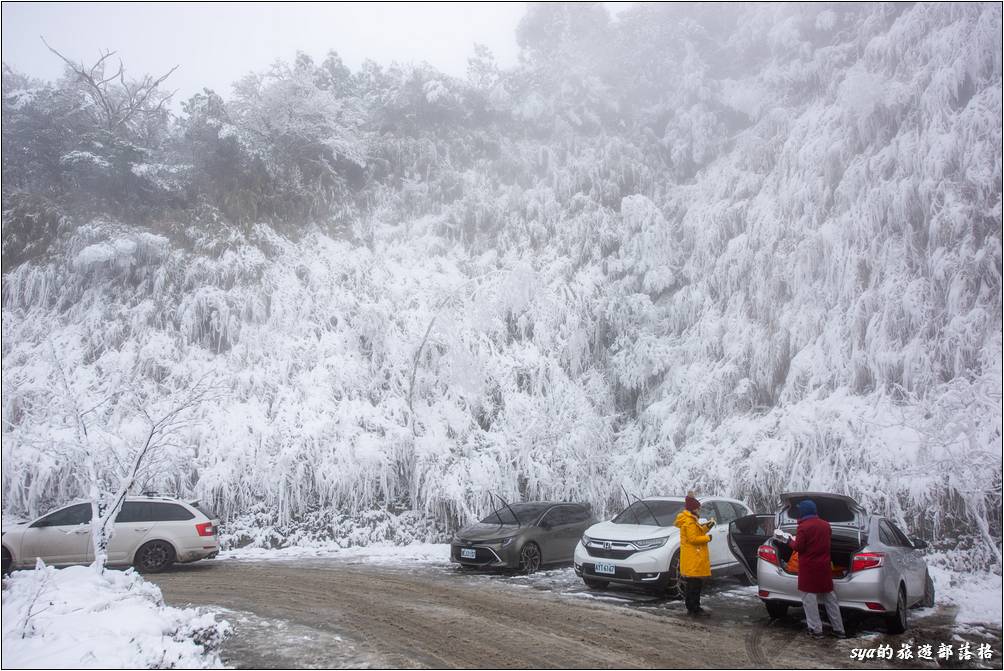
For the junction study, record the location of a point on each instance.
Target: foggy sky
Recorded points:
(217, 43)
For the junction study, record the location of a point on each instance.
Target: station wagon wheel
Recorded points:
(154, 557)
(529, 558)
(674, 587)
(896, 622)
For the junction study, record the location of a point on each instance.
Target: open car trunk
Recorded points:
(843, 546)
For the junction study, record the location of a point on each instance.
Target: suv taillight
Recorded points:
(767, 553)
(205, 529)
(866, 560)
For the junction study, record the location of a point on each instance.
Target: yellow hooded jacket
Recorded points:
(695, 561)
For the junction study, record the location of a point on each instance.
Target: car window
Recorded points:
(557, 516)
(723, 511)
(76, 514)
(741, 510)
(889, 535)
(579, 514)
(168, 512)
(134, 511)
(904, 540)
(528, 513)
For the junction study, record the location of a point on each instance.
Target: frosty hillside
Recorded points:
(747, 249)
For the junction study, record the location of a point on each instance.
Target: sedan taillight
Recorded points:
(866, 560)
(205, 529)
(768, 554)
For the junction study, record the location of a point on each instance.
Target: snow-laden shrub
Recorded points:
(261, 527)
(77, 618)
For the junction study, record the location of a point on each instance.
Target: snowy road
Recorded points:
(328, 612)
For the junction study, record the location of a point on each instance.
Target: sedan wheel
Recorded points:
(529, 558)
(896, 622)
(154, 557)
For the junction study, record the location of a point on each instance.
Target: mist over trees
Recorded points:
(737, 249)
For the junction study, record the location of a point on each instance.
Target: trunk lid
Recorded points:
(839, 510)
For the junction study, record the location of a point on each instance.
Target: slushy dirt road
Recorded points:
(337, 613)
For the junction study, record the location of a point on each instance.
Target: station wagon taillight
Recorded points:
(767, 553)
(866, 560)
(205, 529)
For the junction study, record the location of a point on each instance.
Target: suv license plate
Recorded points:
(608, 569)
(468, 553)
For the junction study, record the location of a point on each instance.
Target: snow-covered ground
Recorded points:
(75, 618)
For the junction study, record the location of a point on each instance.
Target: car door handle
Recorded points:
(141, 529)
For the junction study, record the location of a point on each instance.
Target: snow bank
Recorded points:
(75, 618)
(978, 596)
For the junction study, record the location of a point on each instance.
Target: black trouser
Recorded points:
(693, 593)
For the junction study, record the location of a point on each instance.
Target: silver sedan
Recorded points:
(876, 568)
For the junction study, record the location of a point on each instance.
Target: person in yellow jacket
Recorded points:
(695, 561)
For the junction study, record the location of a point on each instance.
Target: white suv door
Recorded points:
(718, 548)
(61, 537)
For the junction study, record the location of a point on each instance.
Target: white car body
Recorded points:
(63, 536)
(626, 548)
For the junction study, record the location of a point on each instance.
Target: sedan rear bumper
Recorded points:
(864, 590)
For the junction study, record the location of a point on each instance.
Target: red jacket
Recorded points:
(812, 543)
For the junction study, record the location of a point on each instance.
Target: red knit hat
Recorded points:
(691, 504)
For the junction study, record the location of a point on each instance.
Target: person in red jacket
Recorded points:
(815, 579)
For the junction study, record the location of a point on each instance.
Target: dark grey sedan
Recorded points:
(523, 536)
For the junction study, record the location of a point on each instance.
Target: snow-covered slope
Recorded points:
(784, 273)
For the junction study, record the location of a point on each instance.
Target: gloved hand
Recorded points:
(709, 538)
(711, 523)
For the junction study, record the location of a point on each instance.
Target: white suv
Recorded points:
(641, 546)
(151, 533)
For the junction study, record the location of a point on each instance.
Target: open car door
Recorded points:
(746, 535)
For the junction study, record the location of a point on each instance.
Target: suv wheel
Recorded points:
(895, 623)
(674, 587)
(595, 584)
(154, 557)
(529, 558)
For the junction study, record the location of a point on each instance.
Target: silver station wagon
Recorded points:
(151, 533)
(876, 568)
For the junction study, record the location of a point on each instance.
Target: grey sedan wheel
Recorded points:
(529, 558)
(154, 557)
